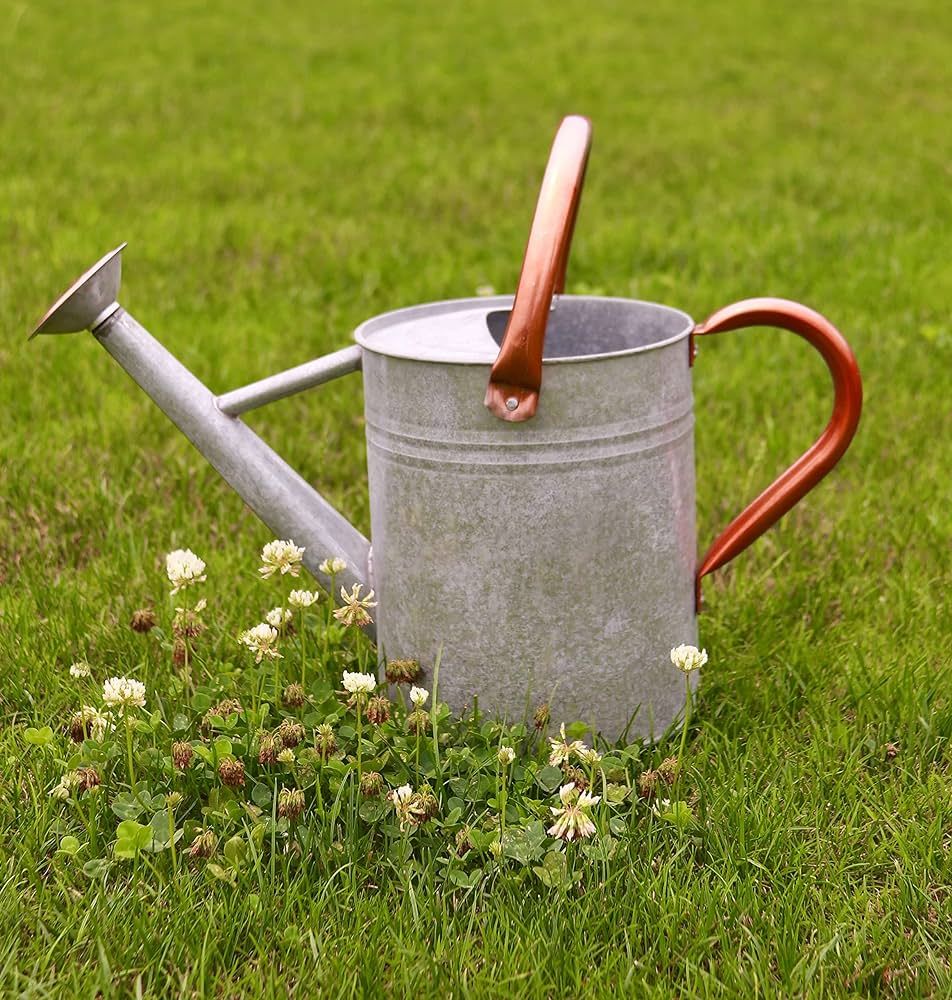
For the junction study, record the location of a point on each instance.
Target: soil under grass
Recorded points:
(283, 174)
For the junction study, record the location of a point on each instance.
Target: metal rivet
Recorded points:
(512, 403)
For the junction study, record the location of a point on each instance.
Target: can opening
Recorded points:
(583, 326)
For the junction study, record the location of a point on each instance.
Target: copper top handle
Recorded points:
(516, 376)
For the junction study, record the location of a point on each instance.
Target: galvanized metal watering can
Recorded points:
(546, 542)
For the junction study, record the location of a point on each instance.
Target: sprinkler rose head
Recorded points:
(89, 300)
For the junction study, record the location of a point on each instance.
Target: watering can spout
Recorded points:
(286, 503)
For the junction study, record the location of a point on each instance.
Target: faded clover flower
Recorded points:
(279, 618)
(182, 753)
(290, 803)
(541, 716)
(359, 684)
(290, 733)
(262, 641)
(427, 804)
(378, 710)
(293, 696)
(142, 620)
(183, 568)
(280, 557)
(561, 751)
(354, 610)
(187, 624)
(332, 566)
(301, 599)
(372, 784)
(204, 845)
(79, 669)
(325, 742)
(221, 710)
(231, 772)
(418, 722)
(648, 784)
(572, 817)
(402, 671)
(87, 778)
(123, 693)
(688, 658)
(577, 776)
(419, 696)
(268, 747)
(669, 769)
(505, 755)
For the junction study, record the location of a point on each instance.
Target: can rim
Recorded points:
(480, 307)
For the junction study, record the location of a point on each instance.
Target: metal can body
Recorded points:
(552, 560)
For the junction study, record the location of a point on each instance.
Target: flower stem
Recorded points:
(132, 772)
(684, 729)
(360, 744)
(172, 842)
(503, 798)
(301, 628)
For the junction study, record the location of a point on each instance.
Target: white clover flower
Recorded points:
(184, 568)
(402, 794)
(561, 751)
(63, 787)
(79, 669)
(418, 696)
(354, 611)
(359, 684)
(688, 658)
(262, 641)
(99, 722)
(301, 599)
(406, 804)
(278, 617)
(280, 557)
(589, 755)
(485, 290)
(661, 806)
(332, 566)
(505, 756)
(286, 756)
(572, 817)
(123, 693)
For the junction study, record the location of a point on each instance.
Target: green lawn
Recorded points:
(282, 174)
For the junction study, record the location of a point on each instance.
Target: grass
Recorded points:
(282, 173)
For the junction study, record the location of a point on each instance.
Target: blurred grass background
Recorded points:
(284, 171)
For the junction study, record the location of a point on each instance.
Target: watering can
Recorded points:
(544, 543)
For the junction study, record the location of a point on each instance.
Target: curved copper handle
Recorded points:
(516, 376)
(812, 465)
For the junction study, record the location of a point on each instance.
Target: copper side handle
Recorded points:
(516, 376)
(829, 448)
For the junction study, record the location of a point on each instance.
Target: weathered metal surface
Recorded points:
(287, 383)
(286, 503)
(289, 505)
(554, 559)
